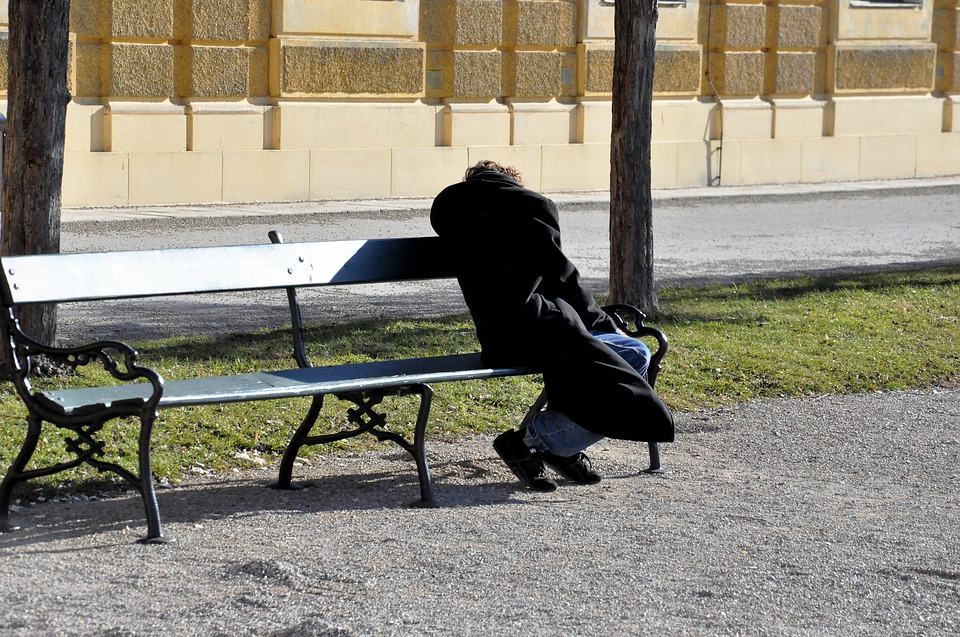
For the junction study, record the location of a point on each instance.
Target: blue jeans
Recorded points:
(552, 431)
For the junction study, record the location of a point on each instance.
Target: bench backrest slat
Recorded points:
(114, 275)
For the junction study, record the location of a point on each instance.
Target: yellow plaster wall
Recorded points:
(316, 99)
(377, 18)
(910, 22)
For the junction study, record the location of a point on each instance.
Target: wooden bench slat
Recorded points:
(293, 383)
(57, 278)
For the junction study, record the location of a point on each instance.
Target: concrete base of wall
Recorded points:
(248, 153)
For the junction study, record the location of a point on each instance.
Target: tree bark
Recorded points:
(631, 202)
(37, 99)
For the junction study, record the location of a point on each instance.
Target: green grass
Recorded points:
(796, 337)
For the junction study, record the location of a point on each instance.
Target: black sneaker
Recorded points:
(525, 462)
(576, 468)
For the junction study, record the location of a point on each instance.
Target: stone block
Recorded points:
(747, 119)
(888, 157)
(476, 73)
(887, 115)
(424, 172)
(569, 68)
(800, 73)
(476, 124)
(884, 67)
(438, 22)
(213, 71)
(596, 69)
(770, 161)
(801, 27)
(198, 177)
(259, 81)
(438, 74)
(213, 127)
(938, 155)
(144, 127)
(682, 120)
(679, 22)
(266, 175)
(95, 179)
(696, 163)
(4, 65)
(348, 18)
(951, 114)
(543, 123)
(84, 128)
(738, 74)
(594, 122)
(946, 28)
(736, 26)
(596, 23)
(349, 68)
(677, 69)
(354, 125)
(725, 162)
(90, 18)
(864, 23)
(142, 19)
(801, 118)
(830, 159)
(663, 165)
(478, 23)
(954, 74)
(533, 74)
(536, 23)
(224, 20)
(568, 167)
(450, 23)
(140, 70)
(350, 174)
(92, 59)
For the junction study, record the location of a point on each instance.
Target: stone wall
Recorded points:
(194, 101)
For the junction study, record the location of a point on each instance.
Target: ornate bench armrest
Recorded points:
(116, 358)
(630, 319)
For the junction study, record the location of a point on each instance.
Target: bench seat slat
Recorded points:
(293, 383)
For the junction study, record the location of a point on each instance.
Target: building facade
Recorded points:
(201, 101)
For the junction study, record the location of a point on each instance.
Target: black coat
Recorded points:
(530, 309)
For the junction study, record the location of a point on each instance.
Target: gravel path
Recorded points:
(831, 516)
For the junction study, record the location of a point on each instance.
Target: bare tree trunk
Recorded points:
(631, 202)
(33, 150)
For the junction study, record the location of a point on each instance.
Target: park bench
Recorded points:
(140, 392)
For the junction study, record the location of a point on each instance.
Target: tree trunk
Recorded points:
(631, 202)
(37, 100)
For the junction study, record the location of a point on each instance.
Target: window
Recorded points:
(887, 4)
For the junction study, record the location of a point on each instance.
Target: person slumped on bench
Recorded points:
(530, 309)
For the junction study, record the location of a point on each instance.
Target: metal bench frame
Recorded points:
(62, 278)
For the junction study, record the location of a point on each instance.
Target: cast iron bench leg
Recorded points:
(420, 448)
(147, 490)
(15, 472)
(654, 449)
(300, 438)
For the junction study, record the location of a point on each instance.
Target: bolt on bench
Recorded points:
(142, 392)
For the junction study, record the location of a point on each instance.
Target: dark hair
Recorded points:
(488, 165)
